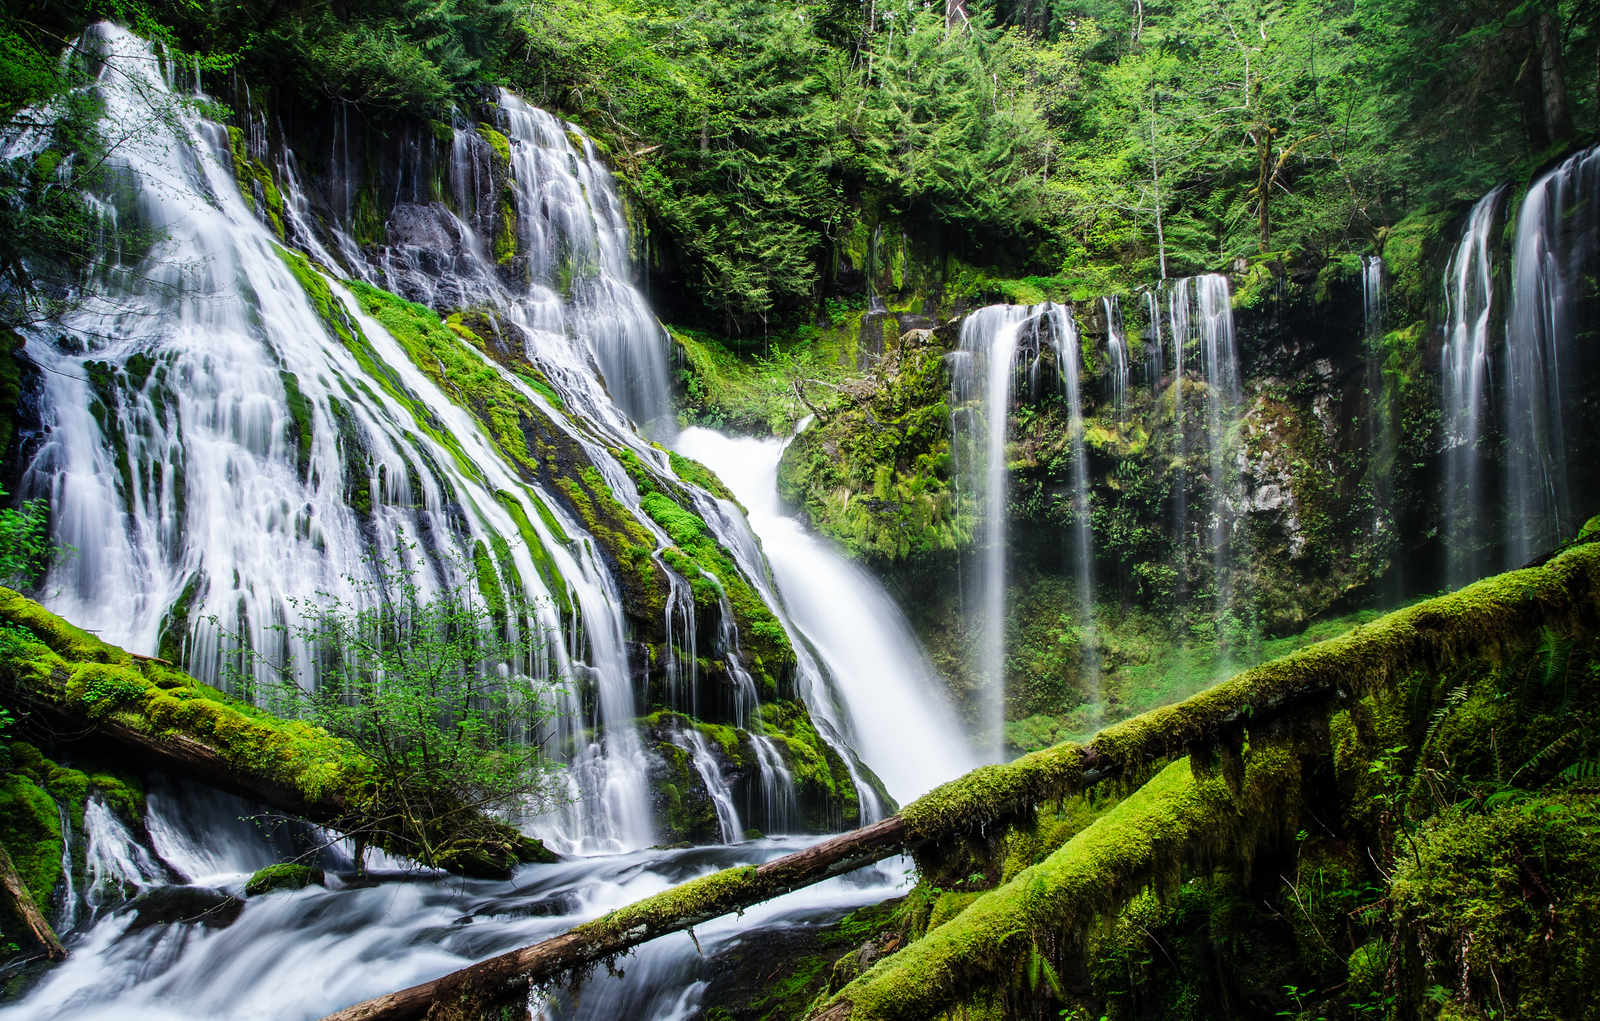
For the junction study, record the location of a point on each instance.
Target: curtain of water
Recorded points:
(1469, 304)
(1548, 351)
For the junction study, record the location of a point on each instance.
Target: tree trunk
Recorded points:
(23, 901)
(1553, 84)
(955, 15)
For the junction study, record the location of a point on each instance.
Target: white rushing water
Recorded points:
(186, 950)
(983, 374)
(1469, 305)
(178, 406)
(903, 729)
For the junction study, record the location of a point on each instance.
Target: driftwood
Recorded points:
(620, 931)
(23, 901)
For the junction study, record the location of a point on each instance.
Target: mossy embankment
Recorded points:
(61, 680)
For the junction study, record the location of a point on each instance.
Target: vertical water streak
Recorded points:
(1219, 364)
(1469, 302)
(1154, 354)
(779, 813)
(1117, 345)
(67, 906)
(1376, 416)
(1064, 337)
(1557, 232)
(989, 339)
(705, 763)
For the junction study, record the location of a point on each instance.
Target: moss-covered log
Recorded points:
(1175, 819)
(22, 902)
(1485, 619)
(69, 684)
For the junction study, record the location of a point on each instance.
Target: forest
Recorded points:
(688, 511)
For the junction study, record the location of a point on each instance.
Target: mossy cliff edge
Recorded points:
(67, 685)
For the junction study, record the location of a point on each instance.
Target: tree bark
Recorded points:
(23, 901)
(1553, 83)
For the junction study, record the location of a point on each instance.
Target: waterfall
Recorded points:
(1154, 355)
(1469, 304)
(1548, 350)
(984, 372)
(1117, 347)
(67, 905)
(1201, 318)
(222, 453)
(886, 685)
(777, 787)
(1377, 415)
(117, 865)
(705, 763)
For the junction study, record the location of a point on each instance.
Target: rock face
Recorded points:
(1326, 465)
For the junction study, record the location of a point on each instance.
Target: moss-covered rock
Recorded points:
(282, 877)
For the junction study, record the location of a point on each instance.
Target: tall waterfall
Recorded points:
(903, 731)
(982, 383)
(1549, 351)
(1200, 314)
(1469, 304)
(1117, 348)
(231, 433)
(1378, 415)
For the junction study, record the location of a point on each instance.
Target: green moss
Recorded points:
(876, 475)
(47, 658)
(692, 471)
(301, 422)
(1508, 903)
(546, 565)
(1488, 618)
(1143, 841)
(988, 791)
(282, 877)
(30, 829)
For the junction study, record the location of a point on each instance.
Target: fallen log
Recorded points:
(28, 909)
(1489, 618)
(65, 683)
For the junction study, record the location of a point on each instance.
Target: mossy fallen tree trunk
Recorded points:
(1176, 819)
(66, 683)
(22, 902)
(1485, 619)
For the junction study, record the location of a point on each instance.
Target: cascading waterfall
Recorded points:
(1154, 352)
(1469, 305)
(1376, 419)
(705, 764)
(984, 371)
(1548, 352)
(215, 397)
(902, 731)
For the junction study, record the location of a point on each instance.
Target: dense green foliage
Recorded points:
(771, 145)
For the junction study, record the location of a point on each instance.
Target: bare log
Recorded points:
(22, 900)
